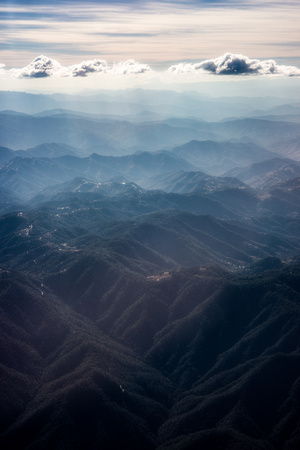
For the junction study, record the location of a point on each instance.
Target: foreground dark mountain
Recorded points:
(204, 359)
(62, 378)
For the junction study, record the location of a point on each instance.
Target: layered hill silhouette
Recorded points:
(268, 173)
(289, 148)
(19, 131)
(26, 176)
(196, 181)
(135, 102)
(218, 157)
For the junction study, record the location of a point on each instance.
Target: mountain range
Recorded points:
(267, 173)
(24, 131)
(149, 272)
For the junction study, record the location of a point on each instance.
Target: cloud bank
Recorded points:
(228, 64)
(42, 67)
(232, 64)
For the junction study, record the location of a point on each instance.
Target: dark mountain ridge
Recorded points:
(218, 340)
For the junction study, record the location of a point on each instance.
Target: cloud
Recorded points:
(42, 67)
(130, 67)
(232, 64)
(84, 68)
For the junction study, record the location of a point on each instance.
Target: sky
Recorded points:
(122, 43)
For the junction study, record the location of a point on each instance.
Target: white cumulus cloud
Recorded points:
(42, 67)
(84, 68)
(232, 64)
